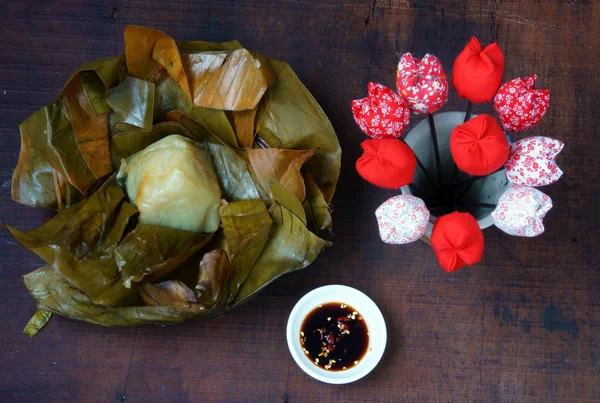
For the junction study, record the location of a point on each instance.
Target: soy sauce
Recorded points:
(334, 336)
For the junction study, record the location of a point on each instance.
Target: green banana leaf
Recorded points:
(246, 226)
(170, 97)
(319, 208)
(290, 246)
(290, 118)
(133, 101)
(232, 171)
(109, 70)
(125, 144)
(287, 199)
(165, 249)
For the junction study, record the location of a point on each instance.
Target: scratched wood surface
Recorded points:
(521, 326)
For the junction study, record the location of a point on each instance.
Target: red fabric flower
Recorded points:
(457, 241)
(478, 72)
(386, 163)
(381, 115)
(519, 105)
(479, 146)
(422, 83)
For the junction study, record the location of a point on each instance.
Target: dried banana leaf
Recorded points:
(289, 117)
(150, 53)
(171, 293)
(91, 131)
(232, 80)
(290, 246)
(211, 289)
(37, 322)
(246, 226)
(133, 101)
(280, 165)
(232, 171)
(243, 126)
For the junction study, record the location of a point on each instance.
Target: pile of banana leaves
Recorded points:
(275, 154)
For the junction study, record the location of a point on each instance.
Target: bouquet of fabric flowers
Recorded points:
(479, 147)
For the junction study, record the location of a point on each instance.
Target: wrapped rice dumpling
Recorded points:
(172, 184)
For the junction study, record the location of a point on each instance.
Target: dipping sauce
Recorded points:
(334, 336)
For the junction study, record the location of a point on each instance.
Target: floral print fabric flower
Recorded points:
(519, 105)
(422, 83)
(381, 115)
(521, 210)
(532, 161)
(402, 219)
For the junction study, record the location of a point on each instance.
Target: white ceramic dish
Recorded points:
(359, 301)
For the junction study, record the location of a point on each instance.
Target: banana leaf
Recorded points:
(171, 293)
(133, 101)
(232, 80)
(211, 290)
(125, 144)
(290, 246)
(91, 131)
(79, 242)
(165, 249)
(280, 165)
(37, 322)
(95, 91)
(74, 304)
(243, 126)
(246, 226)
(290, 118)
(170, 97)
(108, 70)
(286, 199)
(233, 175)
(54, 294)
(318, 206)
(150, 54)
(202, 46)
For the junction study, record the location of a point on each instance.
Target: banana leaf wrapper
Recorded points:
(104, 267)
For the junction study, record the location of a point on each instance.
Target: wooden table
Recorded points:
(521, 326)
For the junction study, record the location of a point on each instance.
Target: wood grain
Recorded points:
(521, 326)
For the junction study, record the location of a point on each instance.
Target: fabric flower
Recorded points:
(478, 72)
(520, 211)
(479, 146)
(402, 219)
(519, 105)
(457, 241)
(422, 83)
(386, 163)
(532, 161)
(381, 115)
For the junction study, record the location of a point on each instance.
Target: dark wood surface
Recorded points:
(521, 326)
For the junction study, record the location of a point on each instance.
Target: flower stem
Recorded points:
(467, 117)
(436, 149)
